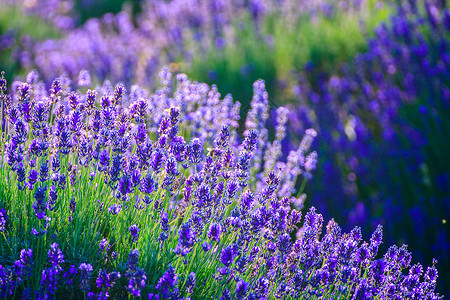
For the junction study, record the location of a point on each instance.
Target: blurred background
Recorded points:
(371, 76)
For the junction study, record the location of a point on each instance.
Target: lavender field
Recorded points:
(211, 149)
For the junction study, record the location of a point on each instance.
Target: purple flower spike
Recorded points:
(3, 218)
(214, 232)
(85, 275)
(134, 230)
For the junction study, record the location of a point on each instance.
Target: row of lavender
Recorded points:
(373, 100)
(106, 193)
(131, 48)
(385, 128)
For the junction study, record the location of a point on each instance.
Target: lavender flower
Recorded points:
(55, 255)
(40, 203)
(148, 185)
(49, 282)
(115, 209)
(164, 227)
(167, 282)
(26, 258)
(186, 239)
(52, 198)
(85, 273)
(206, 247)
(105, 281)
(214, 232)
(84, 78)
(227, 256)
(3, 218)
(3, 82)
(194, 151)
(32, 178)
(190, 284)
(134, 230)
(241, 289)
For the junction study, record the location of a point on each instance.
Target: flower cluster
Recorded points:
(114, 47)
(384, 132)
(203, 204)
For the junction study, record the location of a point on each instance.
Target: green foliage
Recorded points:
(12, 18)
(275, 48)
(86, 9)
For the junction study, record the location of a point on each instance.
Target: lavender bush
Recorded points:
(109, 193)
(385, 129)
(132, 48)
